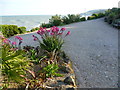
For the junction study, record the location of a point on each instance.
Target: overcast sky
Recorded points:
(51, 7)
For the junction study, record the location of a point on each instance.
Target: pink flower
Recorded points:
(14, 43)
(60, 33)
(35, 39)
(51, 33)
(38, 32)
(53, 30)
(68, 33)
(6, 41)
(18, 37)
(41, 28)
(63, 29)
(44, 28)
(48, 30)
(33, 35)
(57, 28)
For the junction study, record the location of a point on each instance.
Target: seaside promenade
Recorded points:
(93, 49)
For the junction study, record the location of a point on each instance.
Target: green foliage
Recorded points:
(51, 43)
(95, 16)
(50, 70)
(13, 64)
(82, 19)
(116, 23)
(112, 16)
(66, 20)
(47, 25)
(11, 30)
(55, 20)
(100, 15)
(58, 21)
(91, 17)
(71, 18)
(22, 29)
(34, 29)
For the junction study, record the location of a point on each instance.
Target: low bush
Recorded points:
(116, 23)
(66, 20)
(14, 64)
(58, 21)
(55, 20)
(34, 29)
(11, 30)
(100, 15)
(112, 16)
(22, 29)
(95, 16)
(82, 19)
(47, 25)
(91, 17)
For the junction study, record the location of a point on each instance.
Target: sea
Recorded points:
(28, 21)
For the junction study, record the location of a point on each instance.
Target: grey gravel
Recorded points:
(93, 49)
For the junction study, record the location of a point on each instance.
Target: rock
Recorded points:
(65, 69)
(67, 60)
(69, 80)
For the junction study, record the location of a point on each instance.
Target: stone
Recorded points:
(69, 80)
(67, 60)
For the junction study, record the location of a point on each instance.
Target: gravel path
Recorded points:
(93, 49)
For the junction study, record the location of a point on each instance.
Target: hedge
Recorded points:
(11, 30)
(112, 16)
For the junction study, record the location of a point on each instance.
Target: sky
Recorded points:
(52, 7)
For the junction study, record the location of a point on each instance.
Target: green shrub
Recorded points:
(51, 43)
(95, 15)
(77, 18)
(91, 17)
(55, 20)
(66, 20)
(101, 15)
(22, 29)
(47, 25)
(112, 16)
(34, 29)
(83, 19)
(13, 64)
(11, 30)
(71, 18)
(116, 23)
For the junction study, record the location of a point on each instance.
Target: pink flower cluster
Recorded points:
(19, 38)
(35, 38)
(53, 31)
(7, 41)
